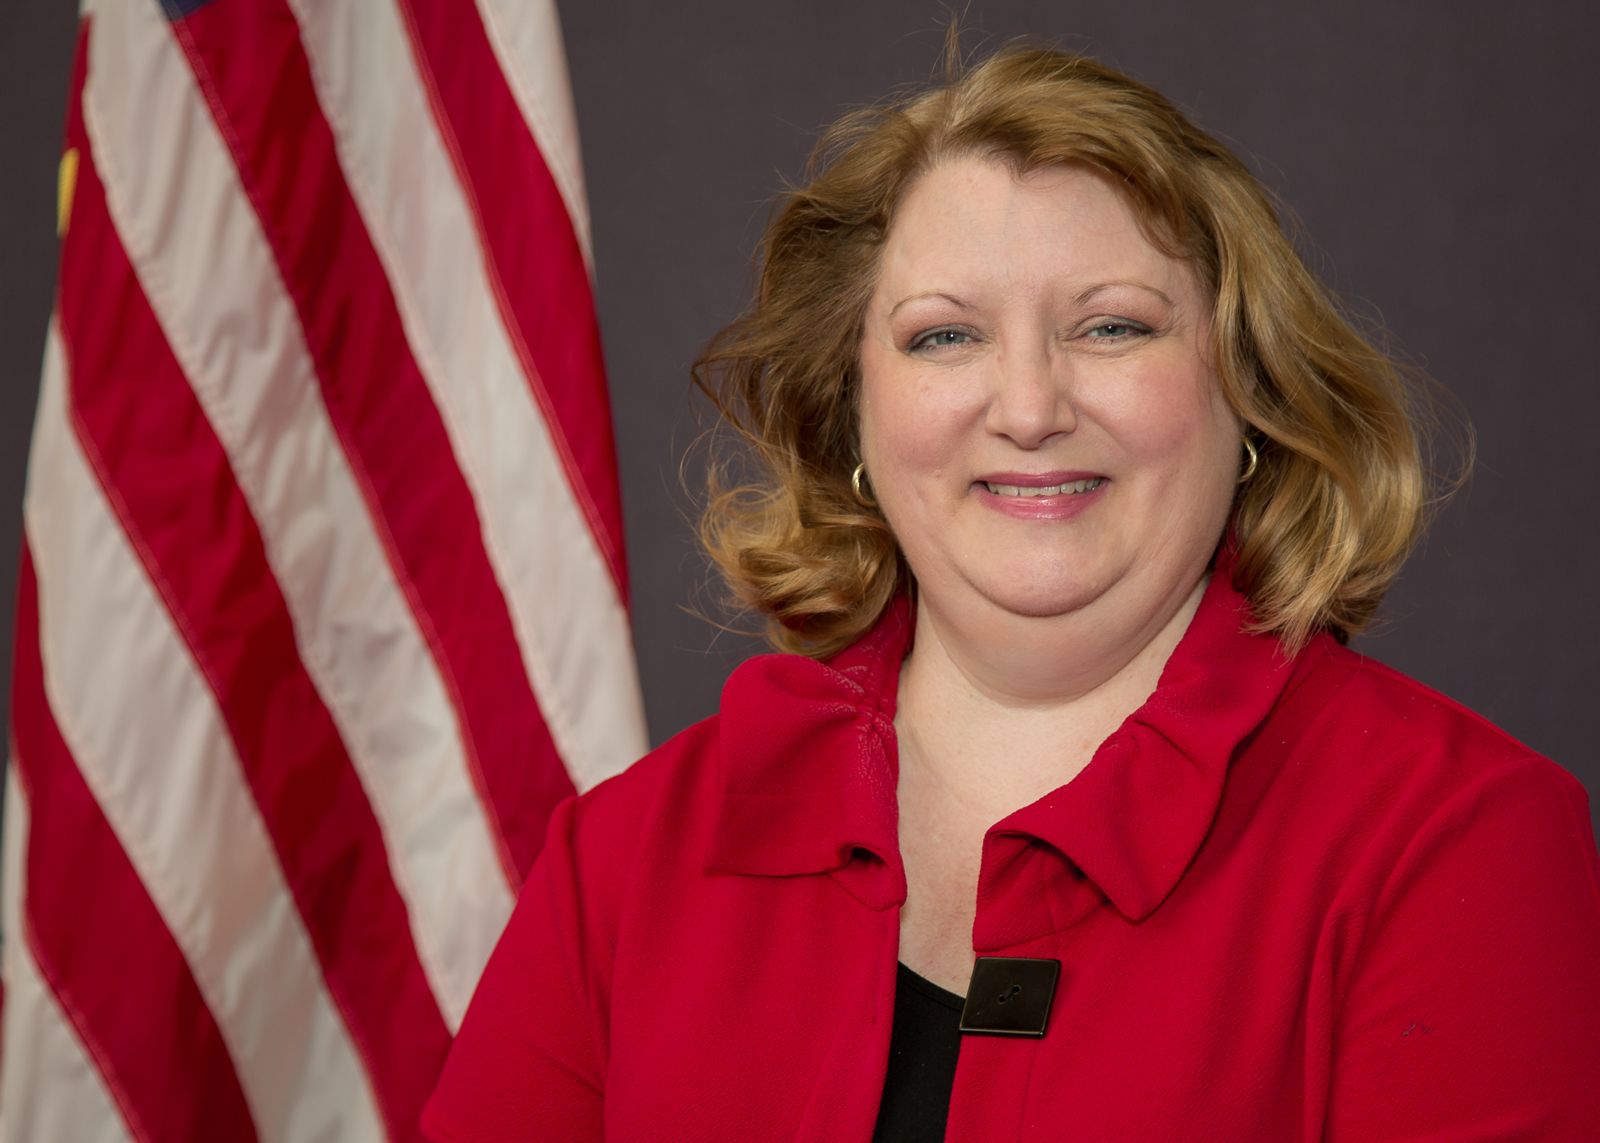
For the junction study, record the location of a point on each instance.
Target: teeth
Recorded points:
(1071, 488)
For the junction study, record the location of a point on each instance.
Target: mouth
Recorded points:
(1026, 491)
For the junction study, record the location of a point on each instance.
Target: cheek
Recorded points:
(1171, 418)
(911, 429)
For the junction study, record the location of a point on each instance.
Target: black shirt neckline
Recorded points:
(923, 1049)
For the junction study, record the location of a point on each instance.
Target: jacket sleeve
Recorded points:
(527, 1062)
(1473, 1010)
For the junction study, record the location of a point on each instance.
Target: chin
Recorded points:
(1042, 597)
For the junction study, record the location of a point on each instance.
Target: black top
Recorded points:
(922, 1062)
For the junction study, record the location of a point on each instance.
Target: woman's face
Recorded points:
(1039, 418)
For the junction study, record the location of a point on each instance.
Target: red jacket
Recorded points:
(1292, 899)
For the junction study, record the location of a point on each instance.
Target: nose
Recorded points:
(1031, 400)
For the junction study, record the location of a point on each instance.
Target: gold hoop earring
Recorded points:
(855, 486)
(1250, 465)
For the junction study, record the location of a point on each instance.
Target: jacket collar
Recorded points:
(808, 763)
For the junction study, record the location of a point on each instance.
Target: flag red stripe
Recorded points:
(255, 75)
(99, 942)
(173, 490)
(536, 266)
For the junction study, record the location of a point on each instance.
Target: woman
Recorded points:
(1074, 485)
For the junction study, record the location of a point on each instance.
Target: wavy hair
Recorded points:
(1339, 494)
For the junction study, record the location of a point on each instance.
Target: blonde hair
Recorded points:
(1337, 499)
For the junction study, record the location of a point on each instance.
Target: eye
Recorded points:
(939, 339)
(1115, 329)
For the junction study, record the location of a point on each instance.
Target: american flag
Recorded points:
(323, 601)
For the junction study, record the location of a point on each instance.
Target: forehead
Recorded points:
(974, 222)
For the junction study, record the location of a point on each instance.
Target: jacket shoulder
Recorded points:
(1362, 697)
(1390, 748)
(681, 772)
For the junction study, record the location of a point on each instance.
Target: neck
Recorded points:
(1010, 706)
(1022, 662)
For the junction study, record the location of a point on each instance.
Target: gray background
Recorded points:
(1441, 156)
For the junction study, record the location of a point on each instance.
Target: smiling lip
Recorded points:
(1040, 495)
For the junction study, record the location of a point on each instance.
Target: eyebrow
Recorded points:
(941, 295)
(1083, 298)
(1094, 291)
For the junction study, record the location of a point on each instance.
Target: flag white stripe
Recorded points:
(165, 170)
(526, 38)
(570, 624)
(153, 748)
(41, 1049)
